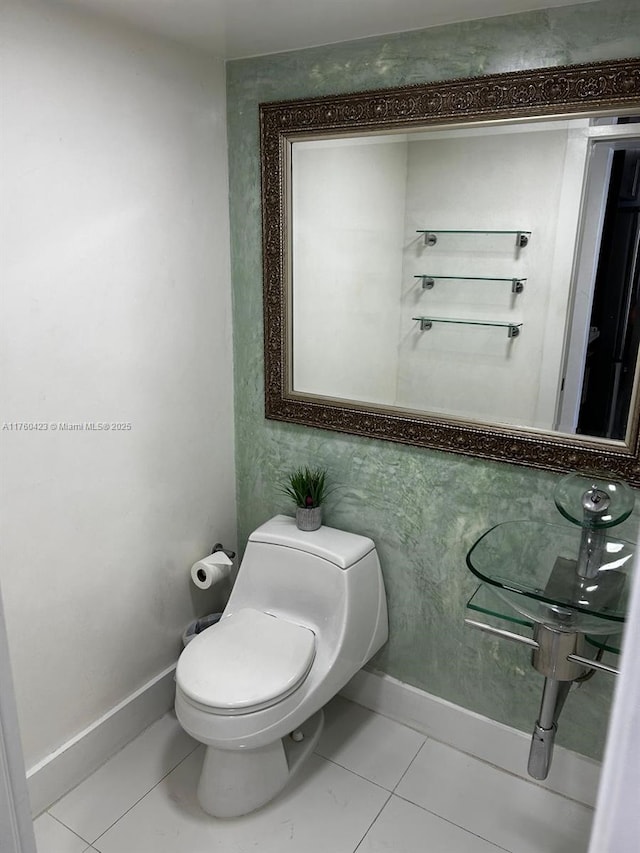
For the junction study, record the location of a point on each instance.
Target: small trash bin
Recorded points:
(198, 625)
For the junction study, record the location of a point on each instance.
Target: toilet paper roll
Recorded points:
(205, 573)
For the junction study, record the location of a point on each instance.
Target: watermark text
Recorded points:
(66, 426)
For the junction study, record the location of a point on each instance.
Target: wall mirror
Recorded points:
(457, 265)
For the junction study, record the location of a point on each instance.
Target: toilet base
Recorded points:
(235, 782)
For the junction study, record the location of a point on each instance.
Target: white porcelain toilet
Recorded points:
(307, 611)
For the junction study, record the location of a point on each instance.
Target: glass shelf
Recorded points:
(431, 238)
(611, 644)
(513, 329)
(428, 281)
(532, 567)
(485, 601)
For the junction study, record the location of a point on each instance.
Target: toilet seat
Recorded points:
(246, 662)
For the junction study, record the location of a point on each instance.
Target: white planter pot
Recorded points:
(308, 518)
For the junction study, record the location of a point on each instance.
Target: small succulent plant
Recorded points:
(307, 487)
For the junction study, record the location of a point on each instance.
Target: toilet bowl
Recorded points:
(307, 611)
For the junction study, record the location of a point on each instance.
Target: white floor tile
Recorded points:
(371, 745)
(508, 811)
(53, 837)
(325, 810)
(100, 800)
(402, 827)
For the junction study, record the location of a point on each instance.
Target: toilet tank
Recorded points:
(328, 580)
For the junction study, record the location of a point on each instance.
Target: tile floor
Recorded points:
(373, 786)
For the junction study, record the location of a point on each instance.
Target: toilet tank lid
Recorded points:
(337, 546)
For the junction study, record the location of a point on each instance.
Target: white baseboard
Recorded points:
(571, 774)
(51, 778)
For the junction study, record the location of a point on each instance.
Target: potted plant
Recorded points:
(307, 487)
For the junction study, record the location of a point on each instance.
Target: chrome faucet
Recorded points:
(595, 505)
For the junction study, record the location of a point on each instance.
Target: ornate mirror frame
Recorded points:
(580, 89)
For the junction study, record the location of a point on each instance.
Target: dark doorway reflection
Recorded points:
(615, 318)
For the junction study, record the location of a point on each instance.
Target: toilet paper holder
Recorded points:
(213, 569)
(218, 547)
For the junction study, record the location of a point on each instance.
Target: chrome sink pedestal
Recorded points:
(560, 656)
(544, 732)
(552, 660)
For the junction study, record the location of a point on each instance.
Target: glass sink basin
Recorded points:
(531, 566)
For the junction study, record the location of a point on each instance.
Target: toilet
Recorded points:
(307, 611)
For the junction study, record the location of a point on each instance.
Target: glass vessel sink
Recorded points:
(531, 566)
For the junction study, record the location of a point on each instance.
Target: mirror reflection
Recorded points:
(486, 273)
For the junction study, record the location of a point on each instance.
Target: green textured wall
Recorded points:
(423, 508)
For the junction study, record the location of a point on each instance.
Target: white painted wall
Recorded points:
(497, 178)
(348, 215)
(116, 309)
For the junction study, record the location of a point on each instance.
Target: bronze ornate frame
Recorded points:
(601, 87)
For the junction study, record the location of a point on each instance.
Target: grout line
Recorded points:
(410, 764)
(375, 713)
(453, 823)
(95, 770)
(368, 830)
(499, 769)
(354, 772)
(527, 781)
(152, 788)
(57, 820)
(524, 778)
(382, 714)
